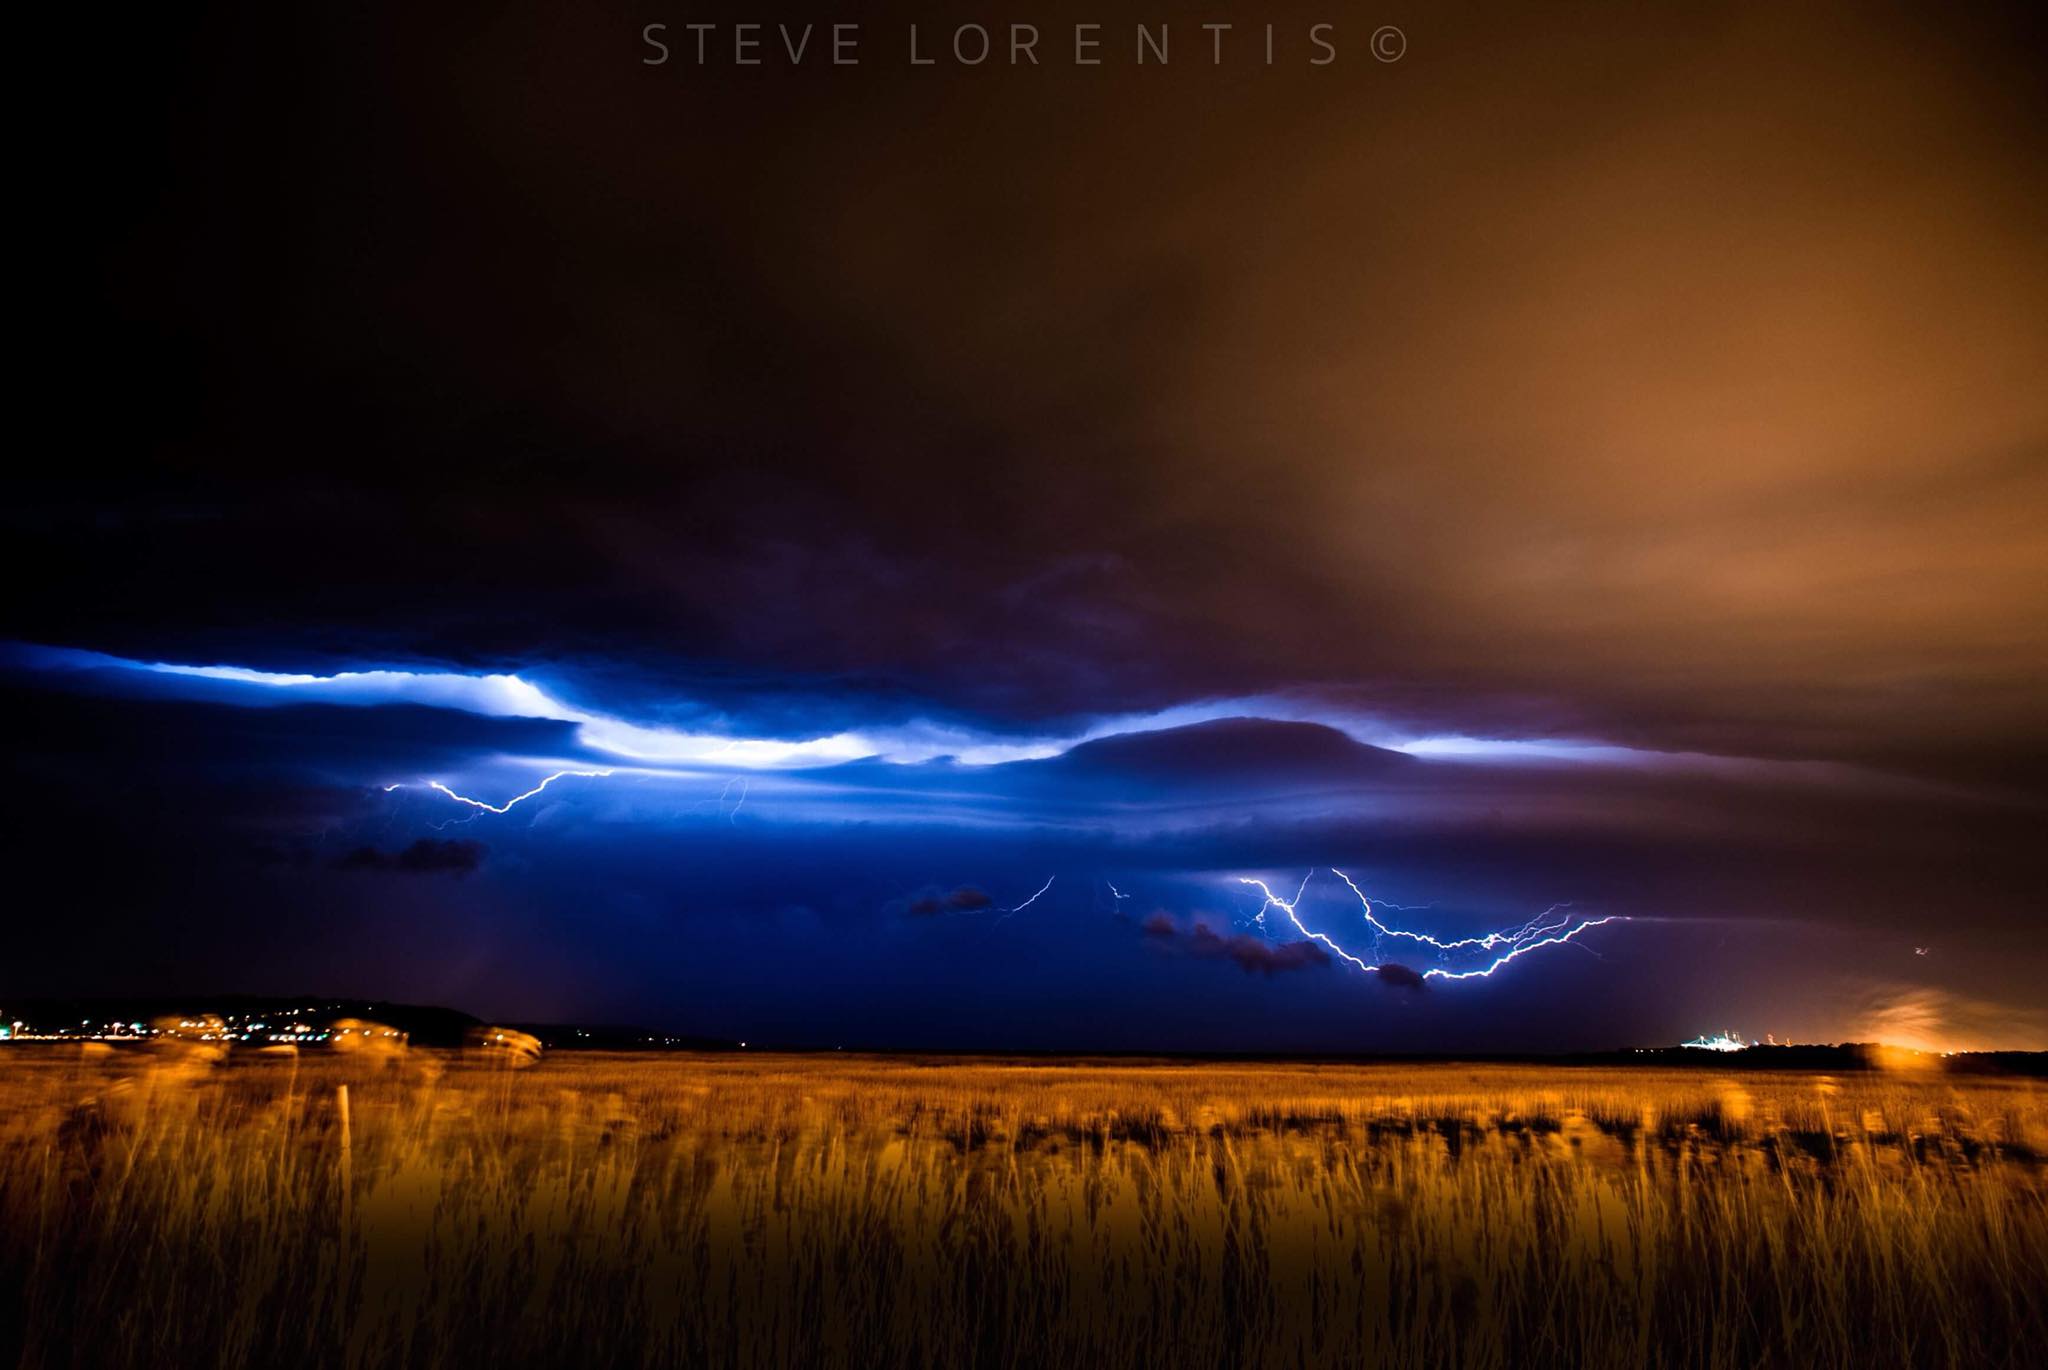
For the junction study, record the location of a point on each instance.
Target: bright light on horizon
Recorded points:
(1725, 1041)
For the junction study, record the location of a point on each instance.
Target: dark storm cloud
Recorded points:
(1400, 976)
(121, 717)
(427, 856)
(1253, 954)
(1227, 752)
(1685, 410)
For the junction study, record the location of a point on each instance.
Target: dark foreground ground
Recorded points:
(162, 1208)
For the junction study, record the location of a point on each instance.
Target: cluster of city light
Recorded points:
(139, 1032)
(84, 1031)
(1553, 927)
(208, 1028)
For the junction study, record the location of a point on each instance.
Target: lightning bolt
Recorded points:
(505, 807)
(1550, 928)
(1033, 899)
(1274, 901)
(1486, 943)
(1019, 908)
(741, 781)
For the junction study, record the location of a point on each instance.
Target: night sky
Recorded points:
(1595, 466)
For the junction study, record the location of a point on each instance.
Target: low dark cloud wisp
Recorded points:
(427, 856)
(963, 899)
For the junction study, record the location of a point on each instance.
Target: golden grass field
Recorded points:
(824, 1211)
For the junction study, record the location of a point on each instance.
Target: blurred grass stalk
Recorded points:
(430, 1209)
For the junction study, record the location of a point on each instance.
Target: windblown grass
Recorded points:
(764, 1211)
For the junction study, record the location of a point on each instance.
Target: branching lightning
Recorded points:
(1552, 927)
(1287, 906)
(505, 807)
